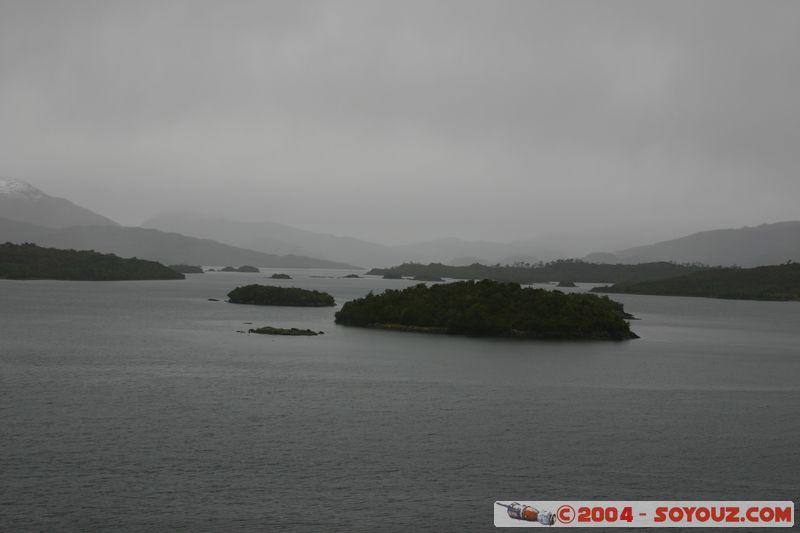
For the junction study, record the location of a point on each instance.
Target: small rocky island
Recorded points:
(281, 276)
(490, 308)
(292, 332)
(566, 284)
(28, 261)
(284, 296)
(424, 277)
(187, 269)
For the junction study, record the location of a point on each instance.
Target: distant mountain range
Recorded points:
(762, 245)
(767, 244)
(29, 215)
(167, 248)
(279, 238)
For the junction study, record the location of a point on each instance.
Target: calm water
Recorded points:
(138, 406)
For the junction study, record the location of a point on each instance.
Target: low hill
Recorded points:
(767, 244)
(779, 282)
(28, 261)
(492, 309)
(563, 270)
(168, 248)
(23, 202)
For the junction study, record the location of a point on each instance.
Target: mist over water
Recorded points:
(137, 405)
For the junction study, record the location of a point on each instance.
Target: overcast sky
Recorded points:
(603, 123)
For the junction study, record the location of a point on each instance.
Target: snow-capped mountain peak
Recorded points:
(22, 202)
(19, 189)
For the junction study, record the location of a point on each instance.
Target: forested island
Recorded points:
(291, 332)
(244, 268)
(187, 269)
(29, 261)
(778, 282)
(285, 296)
(573, 270)
(281, 276)
(490, 308)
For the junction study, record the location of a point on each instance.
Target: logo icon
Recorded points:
(527, 513)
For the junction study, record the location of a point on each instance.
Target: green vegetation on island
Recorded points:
(293, 332)
(286, 296)
(187, 269)
(281, 276)
(566, 284)
(28, 261)
(566, 269)
(490, 308)
(245, 268)
(778, 282)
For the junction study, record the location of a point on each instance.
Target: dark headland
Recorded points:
(776, 283)
(573, 270)
(490, 308)
(28, 261)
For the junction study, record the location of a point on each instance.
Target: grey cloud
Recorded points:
(406, 120)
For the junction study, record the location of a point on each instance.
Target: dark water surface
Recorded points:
(137, 406)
